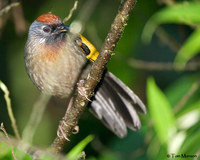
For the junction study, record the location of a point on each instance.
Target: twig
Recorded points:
(98, 67)
(86, 10)
(163, 66)
(71, 12)
(77, 26)
(36, 116)
(187, 96)
(8, 7)
(9, 108)
(167, 39)
(6, 134)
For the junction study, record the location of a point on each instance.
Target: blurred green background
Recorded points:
(157, 57)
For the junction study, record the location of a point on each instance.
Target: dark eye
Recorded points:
(46, 29)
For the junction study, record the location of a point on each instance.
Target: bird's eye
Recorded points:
(46, 29)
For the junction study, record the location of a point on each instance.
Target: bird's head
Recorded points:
(48, 29)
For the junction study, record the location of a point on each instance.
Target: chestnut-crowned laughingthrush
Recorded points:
(56, 59)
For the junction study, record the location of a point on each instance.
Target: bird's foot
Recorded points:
(60, 131)
(82, 90)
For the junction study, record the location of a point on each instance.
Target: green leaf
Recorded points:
(180, 87)
(75, 151)
(108, 156)
(180, 13)
(190, 48)
(160, 111)
(6, 153)
(4, 149)
(191, 144)
(189, 108)
(21, 154)
(48, 157)
(189, 119)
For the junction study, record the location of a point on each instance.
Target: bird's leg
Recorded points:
(82, 90)
(62, 122)
(60, 131)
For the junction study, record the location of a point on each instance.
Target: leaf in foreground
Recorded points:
(76, 151)
(160, 111)
(180, 13)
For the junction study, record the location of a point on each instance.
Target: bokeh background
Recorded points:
(154, 70)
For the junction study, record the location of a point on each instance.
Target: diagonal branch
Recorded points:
(98, 67)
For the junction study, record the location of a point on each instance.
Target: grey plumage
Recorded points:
(117, 106)
(55, 62)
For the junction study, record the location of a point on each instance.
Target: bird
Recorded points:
(56, 59)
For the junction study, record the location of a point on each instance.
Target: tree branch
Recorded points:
(98, 67)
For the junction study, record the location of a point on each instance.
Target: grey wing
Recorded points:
(117, 106)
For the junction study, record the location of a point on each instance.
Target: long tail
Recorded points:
(117, 106)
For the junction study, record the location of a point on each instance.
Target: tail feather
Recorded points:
(103, 107)
(127, 93)
(117, 106)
